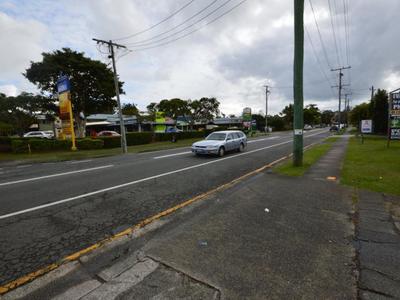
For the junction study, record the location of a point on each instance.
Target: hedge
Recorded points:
(42, 145)
(5, 144)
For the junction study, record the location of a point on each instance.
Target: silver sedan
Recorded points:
(220, 142)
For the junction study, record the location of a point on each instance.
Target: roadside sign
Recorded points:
(366, 126)
(247, 118)
(394, 116)
(66, 116)
(63, 84)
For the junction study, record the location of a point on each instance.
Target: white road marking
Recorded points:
(264, 139)
(142, 180)
(23, 166)
(54, 175)
(79, 161)
(174, 154)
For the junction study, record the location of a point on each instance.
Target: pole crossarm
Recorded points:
(109, 43)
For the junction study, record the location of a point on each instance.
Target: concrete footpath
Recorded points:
(267, 237)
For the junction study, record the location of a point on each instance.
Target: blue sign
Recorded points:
(63, 84)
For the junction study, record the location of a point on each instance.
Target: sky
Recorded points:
(232, 58)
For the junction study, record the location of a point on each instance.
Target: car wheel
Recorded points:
(221, 152)
(241, 147)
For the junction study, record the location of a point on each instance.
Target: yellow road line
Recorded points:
(31, 276)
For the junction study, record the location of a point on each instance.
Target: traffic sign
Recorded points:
(63, 84)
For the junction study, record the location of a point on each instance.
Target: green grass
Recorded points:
(372, 165)
(310, 156)
(85, 154)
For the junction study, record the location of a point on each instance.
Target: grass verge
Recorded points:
(309, 158)
(372, 165)
(85, 154)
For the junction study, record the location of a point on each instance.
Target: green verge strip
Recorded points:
(312, 155)
(85, 154)
(372, 165)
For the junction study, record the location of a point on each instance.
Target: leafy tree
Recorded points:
(92, 82)
(276, 122)
(358, 113)
(326, 116)
(204, 109)
(379, 109)
(174, 108)
(260, 121)
(130, 110)
(20, 112)
(311, 114)
(287, 115)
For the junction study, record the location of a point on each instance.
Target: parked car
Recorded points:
(37, 134)
(220, 142)
(108, 133)
(50, 133)
(307, 127)
(173, 130)
(334, 128)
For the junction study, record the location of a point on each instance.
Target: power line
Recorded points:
(334, 33)
(183, 29)
(319, 34)
(177, 26)
(155, 25)
(195, 30)
(317, 59)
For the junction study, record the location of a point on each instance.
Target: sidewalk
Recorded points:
(268, 237)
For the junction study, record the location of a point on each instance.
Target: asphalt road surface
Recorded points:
(50, 210)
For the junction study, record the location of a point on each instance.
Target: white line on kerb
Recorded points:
(79, 161)
(54, 175)
(142, 180)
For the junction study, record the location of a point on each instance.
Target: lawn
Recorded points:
(372, 165)
(85, 154)
(310, 156)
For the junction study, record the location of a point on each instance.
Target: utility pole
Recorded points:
(111, 46)
(347, 107)
(340, 88)
(372, 92)
(298, 82)
(266, 107)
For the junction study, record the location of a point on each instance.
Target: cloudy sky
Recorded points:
(231, 58)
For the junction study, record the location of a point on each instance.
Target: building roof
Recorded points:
(112, 118)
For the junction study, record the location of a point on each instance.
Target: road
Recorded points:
(50, 210)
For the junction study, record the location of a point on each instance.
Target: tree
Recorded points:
(287, 115)
(358, 113)
(379, 109)
(92, 82)
(260, 121)
(205, 109)
(311, 114)
(173, 108)
(276, 122)
(326, 117)
(130, 110)
(20, 112)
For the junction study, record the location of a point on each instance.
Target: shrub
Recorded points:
(5, 144)
(89, 144)
(110, 141)
(139, 138)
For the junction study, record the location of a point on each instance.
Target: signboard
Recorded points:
(394, 116)
(160, 122)
(366, 126)
(247, 117)
(67, 121)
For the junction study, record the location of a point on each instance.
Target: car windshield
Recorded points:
(216, 137)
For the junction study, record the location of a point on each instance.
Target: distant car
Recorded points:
(334, 128)
(173, 130)
(50, 133)
(108, 133)
(37, 134)
(307, 127)
(220, 142)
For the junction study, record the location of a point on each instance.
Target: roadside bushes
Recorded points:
(43, 145)
(5, 144)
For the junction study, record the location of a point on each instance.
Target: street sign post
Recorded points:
(366, 126)
(66, 116)
(246, 116)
